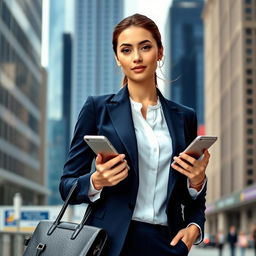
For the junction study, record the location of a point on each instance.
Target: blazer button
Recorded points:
(131, 206)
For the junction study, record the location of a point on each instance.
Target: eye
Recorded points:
(146, 47)
(125, 50)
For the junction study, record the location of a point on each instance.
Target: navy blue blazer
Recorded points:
(110, 115)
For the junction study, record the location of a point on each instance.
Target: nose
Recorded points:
(137, 57)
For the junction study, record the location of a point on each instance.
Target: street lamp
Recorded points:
(17, 202)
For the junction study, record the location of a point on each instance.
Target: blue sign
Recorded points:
(34, 215)
(9, 220)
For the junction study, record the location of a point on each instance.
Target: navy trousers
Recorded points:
(151, 240)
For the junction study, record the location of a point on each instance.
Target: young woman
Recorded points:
(157, 206)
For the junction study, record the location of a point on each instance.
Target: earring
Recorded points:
(160, 63)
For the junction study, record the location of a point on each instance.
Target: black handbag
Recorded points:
(65, 238)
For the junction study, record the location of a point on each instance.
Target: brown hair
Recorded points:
(137, 20)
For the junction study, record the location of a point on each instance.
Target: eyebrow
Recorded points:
(142, 42)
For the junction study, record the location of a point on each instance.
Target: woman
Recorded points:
(157, 206)
(220, 241)
(242, 242)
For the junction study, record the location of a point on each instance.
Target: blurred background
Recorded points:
(54, 54)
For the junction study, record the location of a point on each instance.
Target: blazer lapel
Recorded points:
(175, 123)
(120, 113)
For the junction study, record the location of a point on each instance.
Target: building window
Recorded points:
(250, 151)
(248, 1)
(248, 18)
(249, 91)
(250, 172)
(249, 71)
(249, 101)
(250, 161)
(248, 60)
(248, 10)
(249, 81)
(248, 31)
(248, 41)
(250, 141)
(249, 131)
(249, 182)
(249, 51)
(249, 121)
(249, 111)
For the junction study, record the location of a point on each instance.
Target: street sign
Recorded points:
(28, 221)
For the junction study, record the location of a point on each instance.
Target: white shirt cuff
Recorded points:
(200, 237)
(93, 193)
(193, 192)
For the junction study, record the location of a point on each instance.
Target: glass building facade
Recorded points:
(186, 33)
(59, 95)
(22, 102)
(94, 71)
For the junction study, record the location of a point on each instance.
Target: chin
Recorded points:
(140, 78)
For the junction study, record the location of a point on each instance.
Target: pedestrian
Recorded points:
(157, 206)
(242, 242)
(220, 241)
(232, 239)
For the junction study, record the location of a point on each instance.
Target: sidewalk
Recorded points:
(195, 251)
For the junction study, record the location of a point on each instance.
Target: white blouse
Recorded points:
(154, 153)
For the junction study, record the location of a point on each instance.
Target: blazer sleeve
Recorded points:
(194, 209)
(77, 167)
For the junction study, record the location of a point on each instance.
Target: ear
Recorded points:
(117, 61)
(160, 53)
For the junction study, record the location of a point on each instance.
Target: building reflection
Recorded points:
(22, 103)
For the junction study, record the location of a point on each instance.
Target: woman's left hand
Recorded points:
(192, 168)
(188, 235)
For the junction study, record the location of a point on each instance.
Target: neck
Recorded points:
(144, 92)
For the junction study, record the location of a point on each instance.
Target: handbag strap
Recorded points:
(64, 207)
(83, 221)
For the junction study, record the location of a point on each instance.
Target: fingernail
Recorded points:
(122, 156)
(172, 243)
(175, 157)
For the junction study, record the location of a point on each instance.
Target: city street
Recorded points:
(214, 252)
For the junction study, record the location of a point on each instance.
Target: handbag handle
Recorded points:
(63, 209)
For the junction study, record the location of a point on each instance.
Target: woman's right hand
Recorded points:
(109, 173)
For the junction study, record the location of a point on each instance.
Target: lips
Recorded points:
(138, 68)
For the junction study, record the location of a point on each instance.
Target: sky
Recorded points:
(157, 10)
(45, 33)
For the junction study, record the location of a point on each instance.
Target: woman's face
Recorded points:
(137, 54)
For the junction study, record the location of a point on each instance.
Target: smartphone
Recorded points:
(198, 145)
(101, 145)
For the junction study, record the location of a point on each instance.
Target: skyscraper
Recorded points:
(94, 70)
(186, 54)
(67, 88)
(59, 94)
(230, 98)
(59, 128)
(22, 103)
